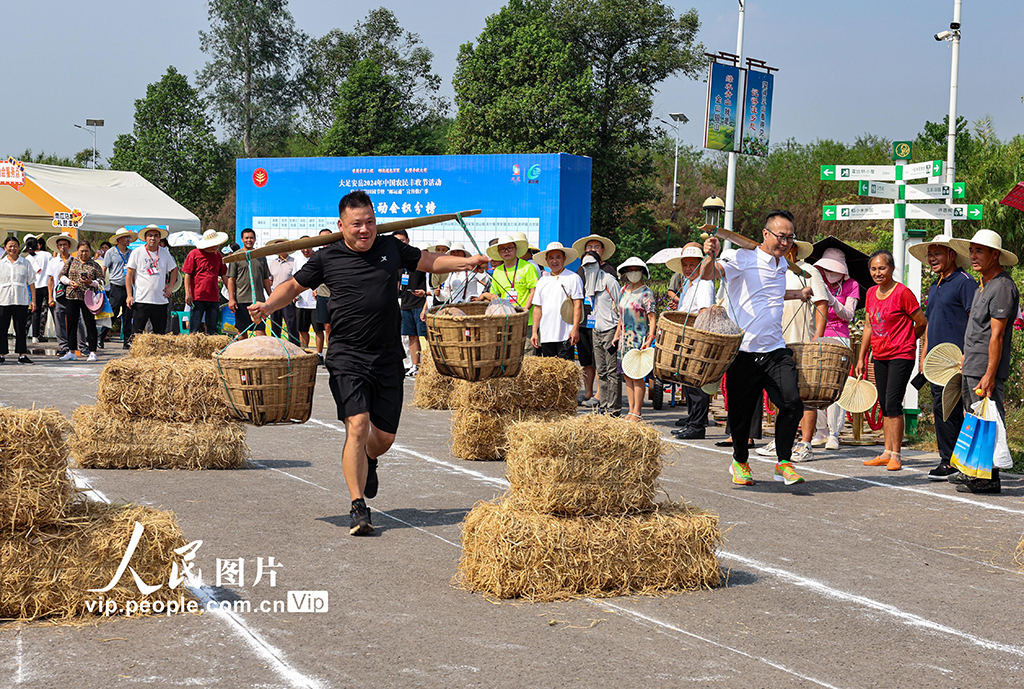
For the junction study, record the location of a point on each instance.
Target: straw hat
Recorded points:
(920, 251)
(212, 238)
(638, 363)
(858, 396)
(132, 235)
(456, 246)
(951, 393)
(521, 246)
(580, 245)
(633, 262)
(834, 260)
(529, 245)
(691, 250)
(147, 228)
(985, 238)
(803, 249)
(51, 243)
(434, 248)
(942, 362)
(542, 257)
(276, 240)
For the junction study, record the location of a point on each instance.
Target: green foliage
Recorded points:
(45, 158)
(173, 146)
(253, 48)
(328, 63)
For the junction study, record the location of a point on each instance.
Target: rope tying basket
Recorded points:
(476, 347)
(822, 369)
(268, 390)
(683, 354)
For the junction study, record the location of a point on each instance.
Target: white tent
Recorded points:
(108, 199)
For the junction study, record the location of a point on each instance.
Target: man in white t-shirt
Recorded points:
(305, 305)
(695, 295)
(552, 335)
(282, 267)
(148, 279)
(756, 281)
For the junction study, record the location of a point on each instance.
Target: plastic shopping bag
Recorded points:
(105, 311)
(975, 449)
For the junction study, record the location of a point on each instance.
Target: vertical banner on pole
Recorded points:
(757, 113)
(724, 89)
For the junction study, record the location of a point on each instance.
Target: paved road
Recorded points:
(857, 578)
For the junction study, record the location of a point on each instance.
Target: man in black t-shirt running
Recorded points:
(365, 354)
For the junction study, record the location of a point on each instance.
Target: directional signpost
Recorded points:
(911, 192)
(917, 211)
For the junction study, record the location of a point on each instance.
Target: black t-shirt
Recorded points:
(417, 280)
(364, 297)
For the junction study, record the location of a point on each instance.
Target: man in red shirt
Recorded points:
(203, 267)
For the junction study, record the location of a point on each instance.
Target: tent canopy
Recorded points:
(109, 199)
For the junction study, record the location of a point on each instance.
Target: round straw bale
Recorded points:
(49, 570)
(433, 391)
(481, 435)
(34, 485)
(584, 465)
(196, 345)
(511, 552)
(168, 389)
(543, 384)
(104, 440)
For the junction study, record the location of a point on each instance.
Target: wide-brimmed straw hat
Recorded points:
(457, 246)
(276, 240)
(542, 256)
(920, 251)
(833, 260)
(529, 245)
(521, 246)
(803, 249)
(132, 235)
(633, 262)
(433, 248)
(580, 245)
(212, 238)
(145, 230)
(51, 243)
(691, 250)
(985, 238)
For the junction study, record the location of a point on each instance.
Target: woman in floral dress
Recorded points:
(636, 326)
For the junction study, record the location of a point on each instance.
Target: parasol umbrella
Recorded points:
(665, 254)
(1015, 199)
(856, 263)
(185, 238)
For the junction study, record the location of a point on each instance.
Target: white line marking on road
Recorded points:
(672, 627)
(906, 617)
(257, 643)
(19, 661)
(83, 484)
(297, 478)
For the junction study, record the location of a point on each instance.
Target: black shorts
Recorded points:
(891, 378)
(304, 320)
(378, 389)
(323, 314)
(585, 347)
(243, 320)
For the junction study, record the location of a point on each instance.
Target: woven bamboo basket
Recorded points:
(683, 354)
(822, 369)
(268, 390)
(476, 347)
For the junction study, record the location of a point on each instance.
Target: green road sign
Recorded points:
(879, 190)
(930, 168)
(916, 211)
(873, 211)
(925, 192)
(959, 190)
(828, 173)
(902, 150)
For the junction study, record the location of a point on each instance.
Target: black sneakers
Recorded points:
(983, 486)
(370, 490)
(359, 519)
(958, 478)
(942, 472)
(689, 433)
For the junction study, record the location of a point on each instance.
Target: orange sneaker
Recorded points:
(894, 463)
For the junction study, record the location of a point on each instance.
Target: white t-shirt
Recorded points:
(54, 267)
(151, 271)
(798, 316)
(463, 285)
(307, 298)
(15, 279)
(41, 265)
(696, 295)
(551, 292)
(757, 291)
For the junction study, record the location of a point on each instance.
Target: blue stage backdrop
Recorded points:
(547, 196)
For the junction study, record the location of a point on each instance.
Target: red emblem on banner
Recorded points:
(260, 177)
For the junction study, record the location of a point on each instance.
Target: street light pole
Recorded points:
(730, 185)
(93, 124)
(678, 118)
(951, 143)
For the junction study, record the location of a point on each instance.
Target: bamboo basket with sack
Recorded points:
(822, 369)
(266, 380)
(474, 346)
(689, 355)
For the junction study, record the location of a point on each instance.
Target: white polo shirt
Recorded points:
(551, 291)
(757, 291)
(696, 295)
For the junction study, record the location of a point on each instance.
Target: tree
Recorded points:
(328, 62)
(254, 48)
(173, 146)
(45, 158)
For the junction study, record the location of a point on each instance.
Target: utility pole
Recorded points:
(954, 38)
(730, 187)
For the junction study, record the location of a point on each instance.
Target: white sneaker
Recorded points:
(70, 356)
(802, 452)
(413, 370)
(35, 340)
(767, 451)
(819, 440)
(832, 443)
(92, 356)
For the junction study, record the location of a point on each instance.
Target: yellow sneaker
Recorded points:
(741, 474)
(784, 472)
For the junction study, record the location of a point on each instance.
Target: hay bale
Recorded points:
(167, 389)
(543, 384)
(34, 485)
(104, 440)
(481, 435)
(433, 391)
(48, 571)
(510, 552)
(584, 465)
(196, 345)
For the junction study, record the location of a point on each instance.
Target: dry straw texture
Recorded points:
(520, 553)
(196, 345)
(433, 391)
(48, 571)
(166, 389)
(544, 384)
(104, 440)
(481, 435)
(34, 486)
(584, 465)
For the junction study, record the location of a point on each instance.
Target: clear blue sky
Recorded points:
(846, 68)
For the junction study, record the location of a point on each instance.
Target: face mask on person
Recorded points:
(833, 276)
(634, 276)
